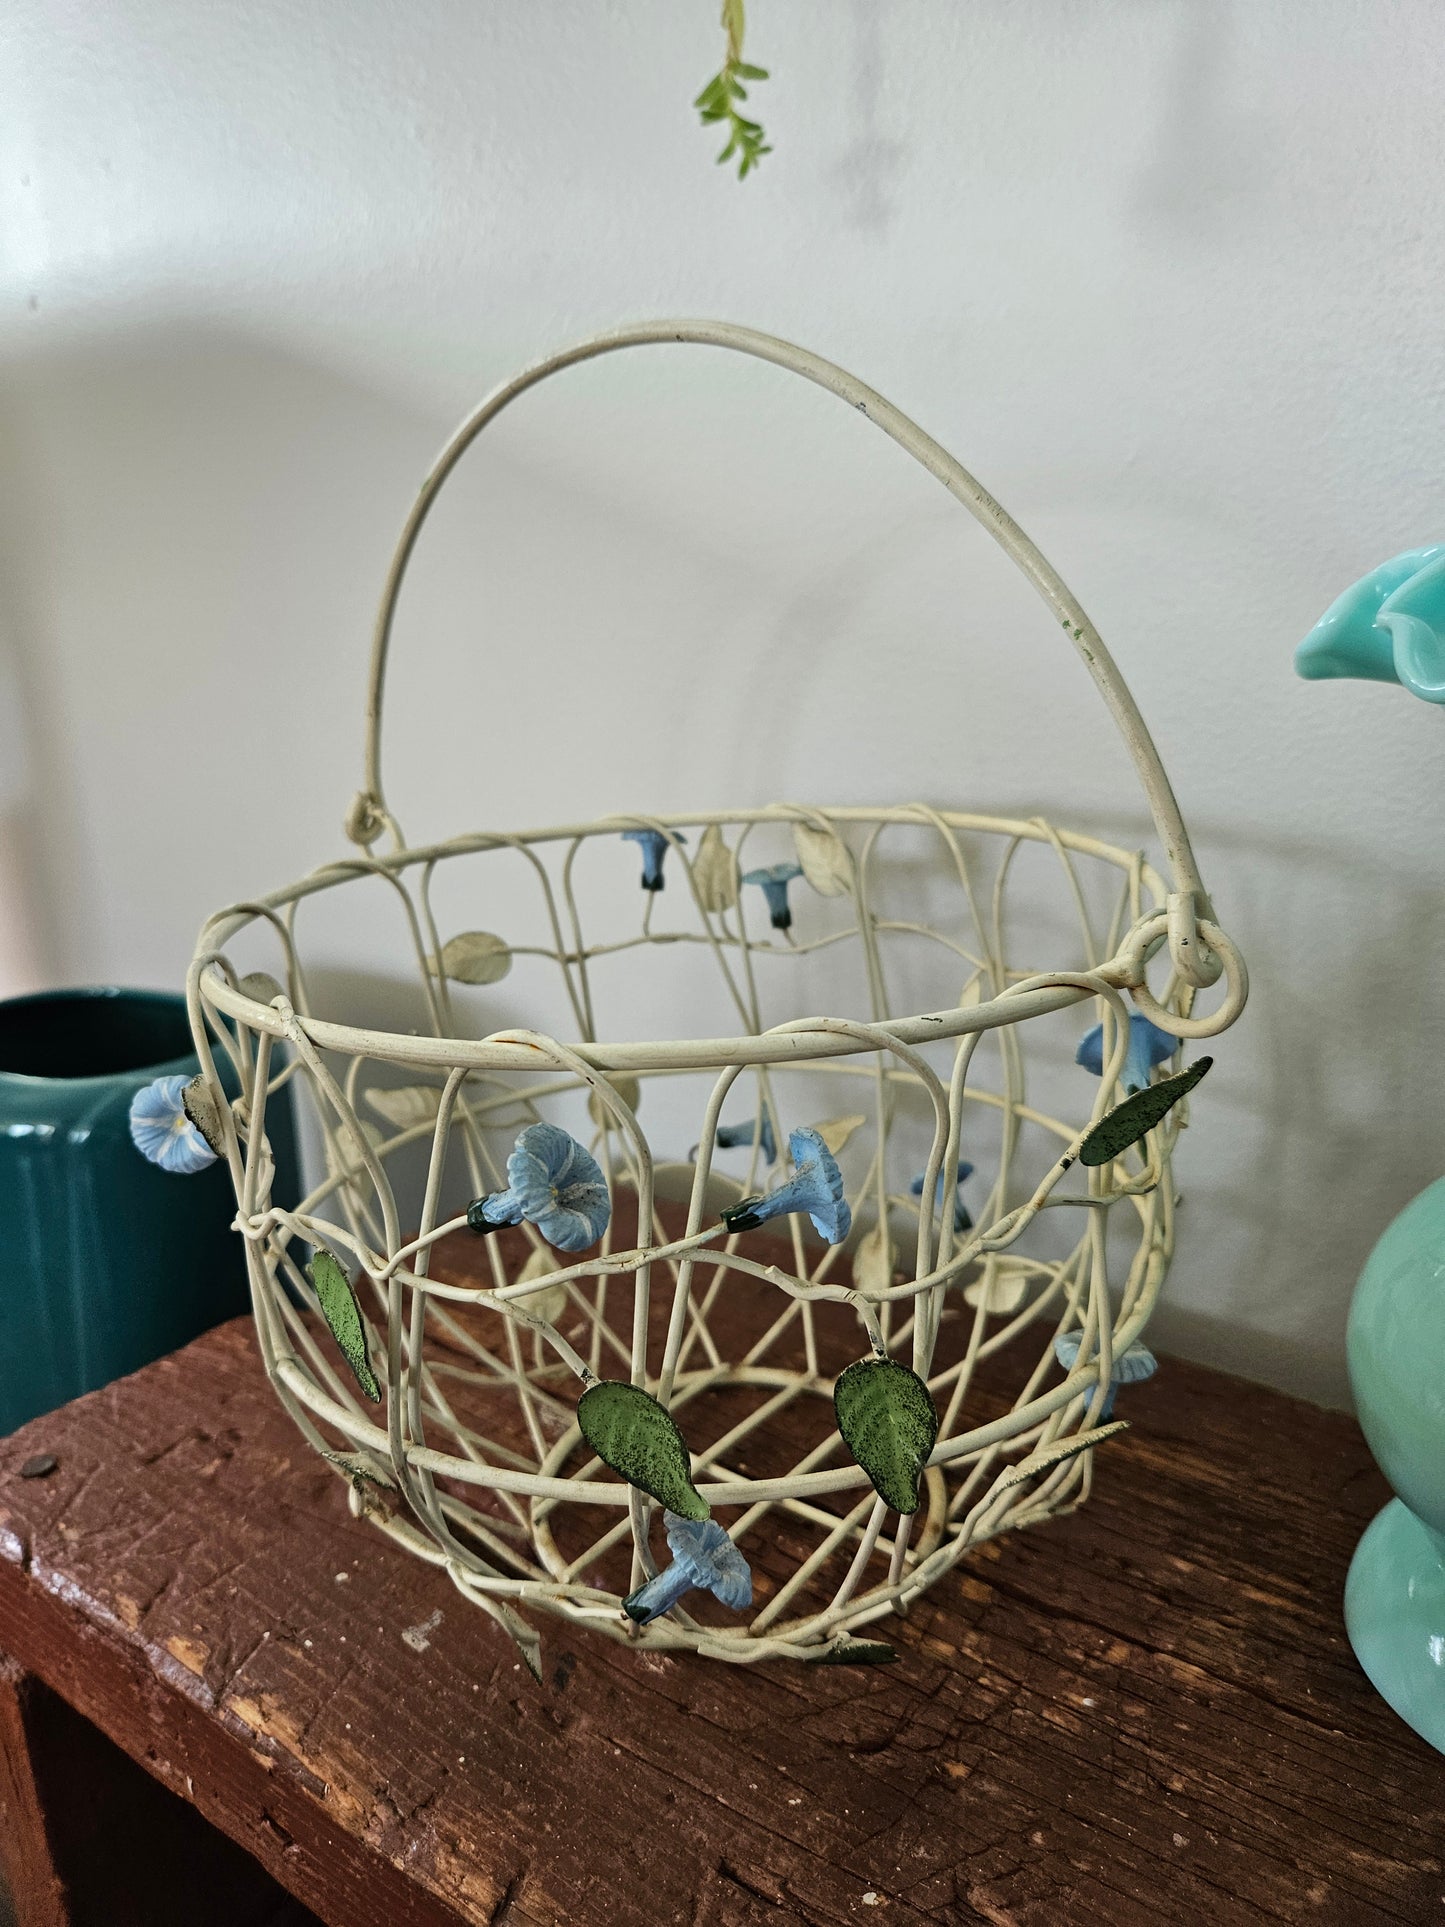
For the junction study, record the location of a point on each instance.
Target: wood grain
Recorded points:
(27, 1847)
(1144, 1712)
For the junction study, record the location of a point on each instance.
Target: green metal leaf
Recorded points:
(364, 1470)
(1138, 1115)
(1053, 1455)
(890, 1424)
(198, 1101)
(856, 1652)
(343, 1315)
(631, 1432)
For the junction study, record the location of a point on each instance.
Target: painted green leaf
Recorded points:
(1053, 1455)
(363, 1469)
(857, 1652)
(343, 1315)
(631, 1432)
(890, 1424)
(1138, 1115)
(199, 1104)
(529, 1646)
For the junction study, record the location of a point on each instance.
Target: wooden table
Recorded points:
(1146, 1712)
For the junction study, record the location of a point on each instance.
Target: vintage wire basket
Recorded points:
(1007, 937)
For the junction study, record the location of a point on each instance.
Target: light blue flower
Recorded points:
(1387, 627)
(773, 882)
(961, 1219)
(1148, 1045)
(703, 1558)
(1132, 1366)
(816, 1187)
(731, 1136)
(161, 1131)
(654, 849)
(555, 1185)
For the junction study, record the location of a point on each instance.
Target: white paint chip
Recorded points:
(417, 1637)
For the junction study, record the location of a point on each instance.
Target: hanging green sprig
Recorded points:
(719, 100)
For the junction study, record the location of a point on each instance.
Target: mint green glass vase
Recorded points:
(1389, 626)
(1395, 1593)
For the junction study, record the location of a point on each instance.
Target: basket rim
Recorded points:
(794, 1042)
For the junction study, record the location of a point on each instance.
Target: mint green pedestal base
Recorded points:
(1395, 1594)
(1395, 1615)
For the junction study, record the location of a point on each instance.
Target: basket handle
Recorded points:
(368, 817)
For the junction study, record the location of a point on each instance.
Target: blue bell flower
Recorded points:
(703, 1558)
(1387, 627)
(654, 849)
(161, 1131)
(1132, 1366)
(1148, 1045)
(961, 1219)
(730, 1137)
(773, 882)
(816, 1187)
(555, 1185)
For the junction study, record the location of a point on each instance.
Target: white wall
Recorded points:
(1165, 273)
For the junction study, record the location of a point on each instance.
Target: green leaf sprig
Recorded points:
(889, 1423)
(342, 1313)
(631, 1432)
(720, 99)
(1137, 1115)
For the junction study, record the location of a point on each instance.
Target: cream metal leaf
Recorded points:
(715, 872)
(476, 957)
(873, 1263)
(406, 1105)
(261, 987)
(629, 1089)
(551, 1301)
(836, 1131)
(1004, 1283)
(825, 860)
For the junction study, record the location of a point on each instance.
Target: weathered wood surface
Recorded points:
(98, 1842)
(1143, 1712)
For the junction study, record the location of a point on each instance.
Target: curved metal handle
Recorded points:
(1191, 956)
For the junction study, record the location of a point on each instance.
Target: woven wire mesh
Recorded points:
(483, 1345)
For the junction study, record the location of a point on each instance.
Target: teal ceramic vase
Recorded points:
(1395, 1594)
(106, 1261)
